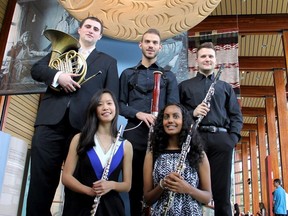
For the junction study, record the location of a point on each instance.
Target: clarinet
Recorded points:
(186, 145)
(154, 104)
(106, 170)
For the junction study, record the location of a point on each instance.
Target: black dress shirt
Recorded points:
(136, 89)
(224, 108)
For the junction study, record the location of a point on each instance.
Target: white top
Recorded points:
(101, 154)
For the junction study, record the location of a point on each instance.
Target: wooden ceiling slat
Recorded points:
(268, 78)
(259, 6)
(271, 6)
(258, 43)
(257, 91)
(242, 44)
(283, 6)
(261, 81)
(247, 24)
(251, 63)
(243, 7)
(276, 41)
(249, 11)
(224, 8)
(249, 127)
(280, 44)
(232, 6)
(265, 46)
(253, 111)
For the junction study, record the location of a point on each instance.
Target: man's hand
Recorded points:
(66, 81)
(149, 119)
(201, 110)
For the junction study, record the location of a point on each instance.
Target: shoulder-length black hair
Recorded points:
(159, 140)
(90, 127)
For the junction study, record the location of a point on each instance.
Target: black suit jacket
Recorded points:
(54, 104)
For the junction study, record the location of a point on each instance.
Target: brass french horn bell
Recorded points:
(64, 56)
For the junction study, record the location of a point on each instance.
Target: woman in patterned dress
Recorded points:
(193, 186)
(88, 155)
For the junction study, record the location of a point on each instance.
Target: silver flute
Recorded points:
(186, 145)
(106, 170)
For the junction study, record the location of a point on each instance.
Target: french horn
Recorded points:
(64, 55)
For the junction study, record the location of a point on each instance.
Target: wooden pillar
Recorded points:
(282, 113)
(238, 176)
(254, 172)
(269, 184)
(6, 25)
(1, 104)
(285, 47)
(262, 155)
(271, 132)
(2, 99)
(246, 197)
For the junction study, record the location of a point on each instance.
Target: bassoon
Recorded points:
(146, 210)
(154, 104)
(186, 145)
(106, 170)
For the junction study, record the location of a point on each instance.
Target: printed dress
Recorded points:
(183, 204)
(111, 204)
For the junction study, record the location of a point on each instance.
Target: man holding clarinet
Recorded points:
(137, 95)
(221, 124)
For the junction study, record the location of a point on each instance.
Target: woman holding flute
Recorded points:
(88, 156)
(189, 186)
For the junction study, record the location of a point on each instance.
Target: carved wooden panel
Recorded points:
(129, 19)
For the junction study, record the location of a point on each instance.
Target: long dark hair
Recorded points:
(90, 127)
(159, 140)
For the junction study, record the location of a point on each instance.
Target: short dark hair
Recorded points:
(95, 19)
(208, 45)
(151, 31)
(277, 181)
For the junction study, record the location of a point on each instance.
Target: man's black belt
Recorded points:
(212, 129)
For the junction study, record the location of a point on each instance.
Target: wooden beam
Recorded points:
(251, 63)
(257, 91)
(249, 127)
(253, 111)
(245, 139)
(246, 24)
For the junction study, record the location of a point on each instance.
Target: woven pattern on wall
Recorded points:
(3, 5)
(20, 116)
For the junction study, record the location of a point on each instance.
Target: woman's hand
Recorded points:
(102, 187)
(175, 182)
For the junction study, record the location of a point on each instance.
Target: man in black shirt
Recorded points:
(136, 90)
(220, 127)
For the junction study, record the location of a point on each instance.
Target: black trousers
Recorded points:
(219, 149)
(50, 146)
(136, 192)
(138, 137)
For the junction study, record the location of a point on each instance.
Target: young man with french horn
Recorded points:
(135, 101)
(62, 109)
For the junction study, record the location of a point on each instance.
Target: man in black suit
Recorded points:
(61, 113)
